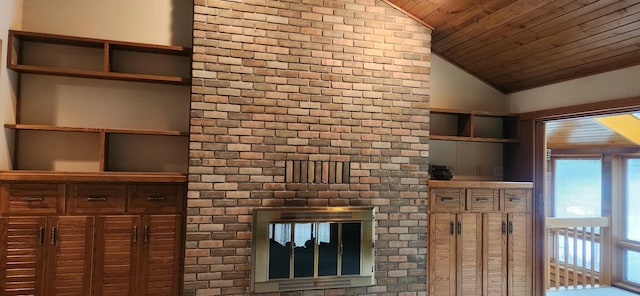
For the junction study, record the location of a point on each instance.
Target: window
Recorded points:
(630, 243)
(577, 194)
(312, 248)
(577, 189)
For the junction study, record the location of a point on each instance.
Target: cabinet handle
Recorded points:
(510, 227)
(157, 198)
(446, 199)
(54, 232)
(459, 228)
(146, 233)
(134, 234)
(451, 228)
(97, 198)
(33, 199)
(515, 199)
(41, 236)
(504, 227)
(482, 199)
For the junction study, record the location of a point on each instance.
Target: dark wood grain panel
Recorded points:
(554, 11)
(117, 240)
(161, 252)
(96, 198)
(156, 198)
(23, 255)
(520, 44)
(595, 22)
(69, 255)
(34, 198)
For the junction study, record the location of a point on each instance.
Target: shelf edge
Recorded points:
(55, 176)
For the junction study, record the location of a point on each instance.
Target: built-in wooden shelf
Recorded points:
(109, 57)
(473, 126)
(36, 127)
(51, 176)
(97, 153)
(99, 75)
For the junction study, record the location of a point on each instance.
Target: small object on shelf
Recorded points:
(440, 172)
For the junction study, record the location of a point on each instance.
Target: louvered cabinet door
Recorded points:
(495, 254)
(160, 255)
(69, 254)
(469, 254)
(519, 250)
(22, 255)
(442, 254)
(117, 238)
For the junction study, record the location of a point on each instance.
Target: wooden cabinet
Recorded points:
(482, 247)
(95, 245)
(46, 255)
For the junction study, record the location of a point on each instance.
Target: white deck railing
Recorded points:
(574, 253)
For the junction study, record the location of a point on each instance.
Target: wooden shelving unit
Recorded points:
(98, 59)
(109, 48)
(473, 126)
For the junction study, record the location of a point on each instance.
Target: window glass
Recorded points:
(632, 221)
(279, 250)
(577, 188)
(328, 249)
(303, 250)
(632, 266)
(351, 238)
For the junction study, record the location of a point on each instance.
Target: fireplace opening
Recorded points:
(312, 248)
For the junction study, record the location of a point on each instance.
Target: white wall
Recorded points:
(146, 21)
(10, 14)
(619, 84)
(453, 88)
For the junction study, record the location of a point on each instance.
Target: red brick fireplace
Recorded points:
(307, 104)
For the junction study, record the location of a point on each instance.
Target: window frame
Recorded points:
(263, 217)
(623, 243)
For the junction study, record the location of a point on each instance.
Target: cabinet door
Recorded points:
(495, 254)
(469, 257)
(519, 248)
(160, 255)
(22, 255)
(442, 254)
(69, 254)
(115, 256)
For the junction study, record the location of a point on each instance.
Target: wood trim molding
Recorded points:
(590, 109)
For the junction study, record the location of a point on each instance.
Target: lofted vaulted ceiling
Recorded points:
(520, 44)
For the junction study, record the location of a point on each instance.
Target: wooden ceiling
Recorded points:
(520, 44)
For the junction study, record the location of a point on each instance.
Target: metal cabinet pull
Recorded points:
(451, 226)
(54, 232)
(134, 234)
(482, 199)
(459, 228)
(515, 199)
(41, 236)
(157, 198)
(510, 227)
(33, 199)
(446, 199)
(146, 233)
(97, 198)
(504, 227)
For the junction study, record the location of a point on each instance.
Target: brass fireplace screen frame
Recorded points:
(264, 219)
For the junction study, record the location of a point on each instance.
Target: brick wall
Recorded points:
(306, 80)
